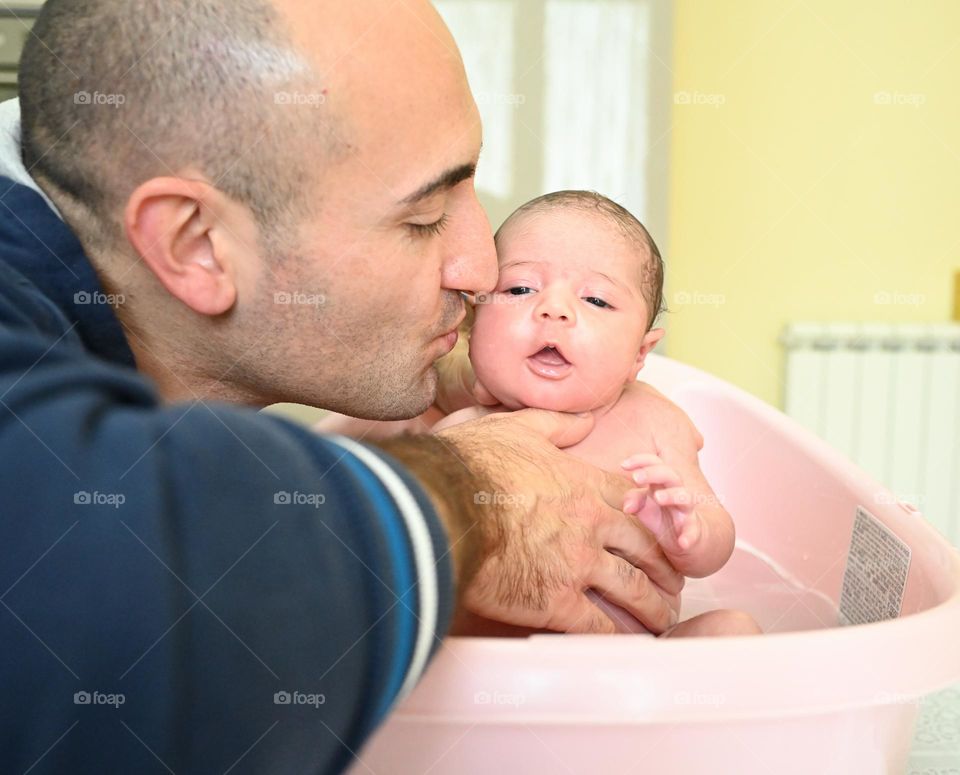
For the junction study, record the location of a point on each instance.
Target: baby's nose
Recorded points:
(555, 309)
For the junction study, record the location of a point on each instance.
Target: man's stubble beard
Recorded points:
(312, 359)
(334, 357)
(392, 379)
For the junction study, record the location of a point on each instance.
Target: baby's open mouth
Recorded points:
(550, 356)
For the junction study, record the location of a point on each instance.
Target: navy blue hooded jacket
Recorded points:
(188, 588)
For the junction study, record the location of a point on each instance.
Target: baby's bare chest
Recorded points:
(616, 436)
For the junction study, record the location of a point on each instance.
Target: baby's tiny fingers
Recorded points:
(691, 533)
(677, 497)
(634, 500)
(662, 475)
(643, 459)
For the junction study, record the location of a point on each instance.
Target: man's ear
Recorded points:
(650, 340)
(169, 222)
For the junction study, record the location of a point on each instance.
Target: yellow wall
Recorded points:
(815, 173)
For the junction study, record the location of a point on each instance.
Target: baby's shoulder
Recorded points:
(644, 396)
(667, 422)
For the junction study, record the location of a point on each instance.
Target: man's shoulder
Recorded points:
(52, 278)
(24, 305)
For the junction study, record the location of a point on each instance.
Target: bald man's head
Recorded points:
(114, 93)
(189, 142)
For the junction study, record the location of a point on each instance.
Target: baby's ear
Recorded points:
(650, 340)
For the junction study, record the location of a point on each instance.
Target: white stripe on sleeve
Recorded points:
(424, 558)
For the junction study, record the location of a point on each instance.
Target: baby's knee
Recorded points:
(725, 621)
(732, 622)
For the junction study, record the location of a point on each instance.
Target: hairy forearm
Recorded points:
(452, 488)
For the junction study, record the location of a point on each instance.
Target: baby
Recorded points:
(568, 328)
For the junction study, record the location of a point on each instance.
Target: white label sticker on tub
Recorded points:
(876, 573)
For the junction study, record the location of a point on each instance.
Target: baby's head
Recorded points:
(571, 320)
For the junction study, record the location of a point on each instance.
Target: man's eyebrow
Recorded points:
(445, 181)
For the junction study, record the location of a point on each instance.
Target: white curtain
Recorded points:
(570, 94)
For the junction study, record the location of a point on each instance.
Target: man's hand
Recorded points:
(553, 528)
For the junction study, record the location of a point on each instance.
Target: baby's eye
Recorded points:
(597, 302)
(520, 290)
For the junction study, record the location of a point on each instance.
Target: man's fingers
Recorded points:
(562, 429)
(584, 618)
(630, 540)
(469, 414)
(621, 583)
(613, 489)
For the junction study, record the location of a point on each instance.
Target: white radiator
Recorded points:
(888, 397)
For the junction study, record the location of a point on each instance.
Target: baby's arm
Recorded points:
(679, 506)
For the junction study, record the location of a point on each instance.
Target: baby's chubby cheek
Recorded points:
(495, 358)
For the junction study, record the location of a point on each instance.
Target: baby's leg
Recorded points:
(712, 623)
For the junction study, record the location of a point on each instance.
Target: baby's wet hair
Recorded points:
(590, 201)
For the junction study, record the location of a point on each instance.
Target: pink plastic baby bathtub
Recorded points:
(809, 698)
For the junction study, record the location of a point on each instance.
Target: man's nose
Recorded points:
(471, 263)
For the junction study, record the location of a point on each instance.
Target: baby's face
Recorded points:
(565, 327)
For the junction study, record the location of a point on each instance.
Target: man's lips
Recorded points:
(451, 335)
(455, 327)
(449, 341)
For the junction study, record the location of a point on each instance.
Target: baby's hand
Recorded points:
(662, 504)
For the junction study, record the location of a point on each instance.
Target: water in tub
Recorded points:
(752, 581)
